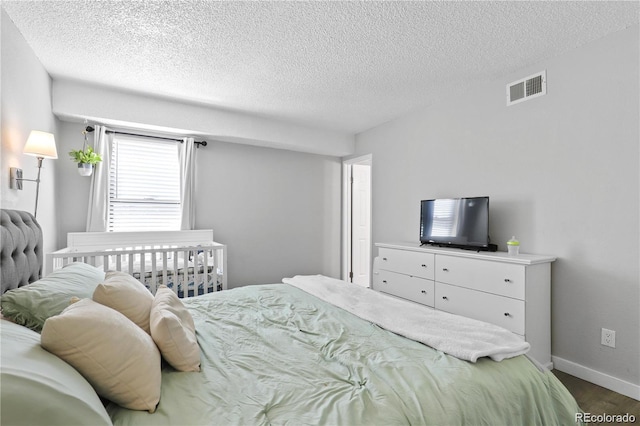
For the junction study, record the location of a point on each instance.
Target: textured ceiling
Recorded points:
(345, 66)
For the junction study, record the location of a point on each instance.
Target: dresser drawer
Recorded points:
(492, 277)
(407, 262)
(413, 288)
(499, 310)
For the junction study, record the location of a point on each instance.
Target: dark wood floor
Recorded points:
(597, 400)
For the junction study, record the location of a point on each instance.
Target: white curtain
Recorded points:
(187, 183)
(99, 193)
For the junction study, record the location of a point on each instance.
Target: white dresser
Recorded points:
(513, 292)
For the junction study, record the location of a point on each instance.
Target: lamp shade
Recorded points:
(41, 144)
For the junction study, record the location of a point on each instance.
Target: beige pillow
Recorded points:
(174, 332)
(125, 294)
(118, 358)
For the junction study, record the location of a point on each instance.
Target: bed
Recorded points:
(281, 353)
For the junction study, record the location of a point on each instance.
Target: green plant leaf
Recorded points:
(88, 156)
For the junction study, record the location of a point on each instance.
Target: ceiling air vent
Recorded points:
(527, 88)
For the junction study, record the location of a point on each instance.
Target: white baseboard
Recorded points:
(601, 379)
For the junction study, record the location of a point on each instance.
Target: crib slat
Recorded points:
(154, 282)
(130, 261)
(196, 275)
(165, 267)
(211, 276)
(176, 277)
(142, 268)
(214, 269)
(205, 271)
(185, 274)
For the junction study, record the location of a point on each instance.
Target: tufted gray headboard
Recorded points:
(21, 249)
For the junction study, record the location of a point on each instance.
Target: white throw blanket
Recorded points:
(462, 337)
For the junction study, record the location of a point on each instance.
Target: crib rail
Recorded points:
(188, 269)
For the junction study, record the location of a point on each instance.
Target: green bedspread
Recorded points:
(273, 354)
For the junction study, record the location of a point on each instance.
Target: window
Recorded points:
(144, 185)
(445, 218)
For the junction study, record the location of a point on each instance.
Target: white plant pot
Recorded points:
(85, 169)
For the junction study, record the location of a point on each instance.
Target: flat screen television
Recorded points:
(456, 222)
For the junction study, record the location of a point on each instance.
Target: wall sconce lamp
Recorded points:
(40, 145)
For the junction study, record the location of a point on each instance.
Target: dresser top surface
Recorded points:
(498, 256)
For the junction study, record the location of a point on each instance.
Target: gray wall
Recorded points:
(277, 210)
(562, 172)
(26, 106)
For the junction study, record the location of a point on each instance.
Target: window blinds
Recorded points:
(144, 185)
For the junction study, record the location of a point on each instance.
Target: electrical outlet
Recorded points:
(608, 338)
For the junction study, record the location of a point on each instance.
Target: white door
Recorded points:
(360, 225)
(357, 221)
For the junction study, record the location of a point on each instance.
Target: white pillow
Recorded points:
(127, 295)
(174, 332)
(38, 388)
(116, 356)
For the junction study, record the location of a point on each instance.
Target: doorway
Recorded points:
(357, 220)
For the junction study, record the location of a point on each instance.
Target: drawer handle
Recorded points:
(507, 314)
(445, 298)
(445, 269)
(423, 291)
(384, 258)
(424, 266)
(507, 280)
(384, 281)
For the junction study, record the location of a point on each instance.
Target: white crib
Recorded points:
(189, 262)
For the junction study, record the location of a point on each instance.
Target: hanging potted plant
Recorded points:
(86, 157)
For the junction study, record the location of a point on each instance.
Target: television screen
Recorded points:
(455, 222)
